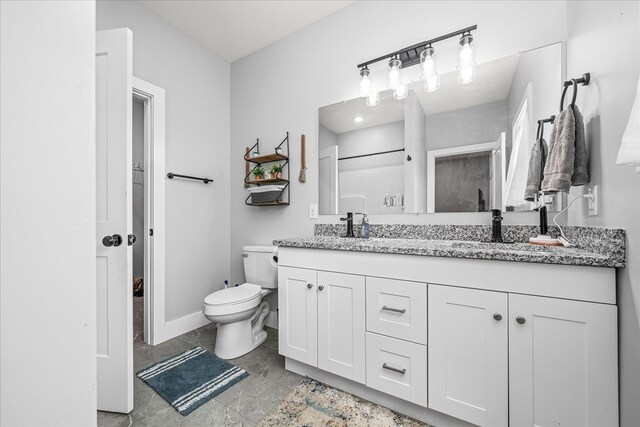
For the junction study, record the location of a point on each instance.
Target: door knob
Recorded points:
(131, 239)
(497, 316)
(309, 285)
(320, 287)
(115, 240)
(520, 320)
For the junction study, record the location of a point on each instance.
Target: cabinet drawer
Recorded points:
(397, 308)
(397, 367)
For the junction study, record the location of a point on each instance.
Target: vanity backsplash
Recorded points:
(606, 241)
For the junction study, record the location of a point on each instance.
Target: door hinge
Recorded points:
(151, 232)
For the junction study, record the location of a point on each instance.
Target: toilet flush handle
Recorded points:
(245, 255)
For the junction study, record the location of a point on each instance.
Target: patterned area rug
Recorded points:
(313, 404)
(192, 378)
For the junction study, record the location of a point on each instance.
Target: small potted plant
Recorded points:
(258, 173)
(276, 171)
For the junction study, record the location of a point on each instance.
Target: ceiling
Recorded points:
(233, 29)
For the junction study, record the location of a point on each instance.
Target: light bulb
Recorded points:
(400, 92)
(373, 98)
(429, 73)
(365, 82)
(394, 72)
(431, 84)
(466, 60)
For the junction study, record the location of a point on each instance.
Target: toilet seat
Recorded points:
(233, 300)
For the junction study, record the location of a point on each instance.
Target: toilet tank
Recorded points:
(261, 266)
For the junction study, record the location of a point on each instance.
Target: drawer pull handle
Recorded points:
(497, 316)
(520, 320)
(391, 368)
(395, 310)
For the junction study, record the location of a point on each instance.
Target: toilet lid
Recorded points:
(234, 295)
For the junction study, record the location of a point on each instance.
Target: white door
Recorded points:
(341, 325)
(113, 218)
(468, 372)
(298, 314)
(563, 362)
(328, 173)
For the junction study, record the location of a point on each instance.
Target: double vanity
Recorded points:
(457, 331)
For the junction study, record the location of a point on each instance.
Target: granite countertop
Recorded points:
(520, 252)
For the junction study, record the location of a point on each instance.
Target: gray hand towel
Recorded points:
(560, 163)
(580, 174)
(537, 161)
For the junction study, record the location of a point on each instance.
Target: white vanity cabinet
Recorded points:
(453, 341)
(499, 359)
(322, 320)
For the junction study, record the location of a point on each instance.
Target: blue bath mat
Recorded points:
(190, 379)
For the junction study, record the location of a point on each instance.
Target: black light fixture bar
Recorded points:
(411, 55)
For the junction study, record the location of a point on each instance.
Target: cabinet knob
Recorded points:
(320, 287)
(520, 320)
(309, 285)
(497, 316)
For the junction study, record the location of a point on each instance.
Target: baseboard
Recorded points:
(183, 325)
(426, 415)
(272, 320)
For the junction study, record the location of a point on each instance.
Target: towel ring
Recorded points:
(540, 131)
(574, 83)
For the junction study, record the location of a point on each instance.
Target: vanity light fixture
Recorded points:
(466, 60)
(421, 53)
(394, 72)
(358, 119)
(365, 82)
(429, 74)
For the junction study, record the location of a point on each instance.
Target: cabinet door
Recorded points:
(563, 362)
(468, 356)
(341, 325)
(297, 314)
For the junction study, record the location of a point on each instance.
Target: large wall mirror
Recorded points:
(462, 148)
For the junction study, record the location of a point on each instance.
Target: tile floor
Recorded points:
(244, 404)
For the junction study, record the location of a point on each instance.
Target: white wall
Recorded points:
(604, 39)
(47, 214)
(197, 143)
(281, 87)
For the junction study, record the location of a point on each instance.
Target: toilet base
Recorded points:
(239, 338)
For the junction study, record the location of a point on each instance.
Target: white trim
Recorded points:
(431, 165)
(332, 154)
(182, 325)
(154, 209)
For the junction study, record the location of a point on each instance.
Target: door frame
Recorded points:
(153, 98)
(432, 155)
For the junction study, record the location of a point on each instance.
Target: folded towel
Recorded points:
(537, 161)
(559, 167)
(580, 174)
(629, 153)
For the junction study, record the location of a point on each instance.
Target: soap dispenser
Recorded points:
(364, 231)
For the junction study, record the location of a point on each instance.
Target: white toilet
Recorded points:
(239, 311)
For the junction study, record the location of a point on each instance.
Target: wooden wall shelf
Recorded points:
(269, 158)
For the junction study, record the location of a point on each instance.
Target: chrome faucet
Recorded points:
(496, 226)
(349, 220)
